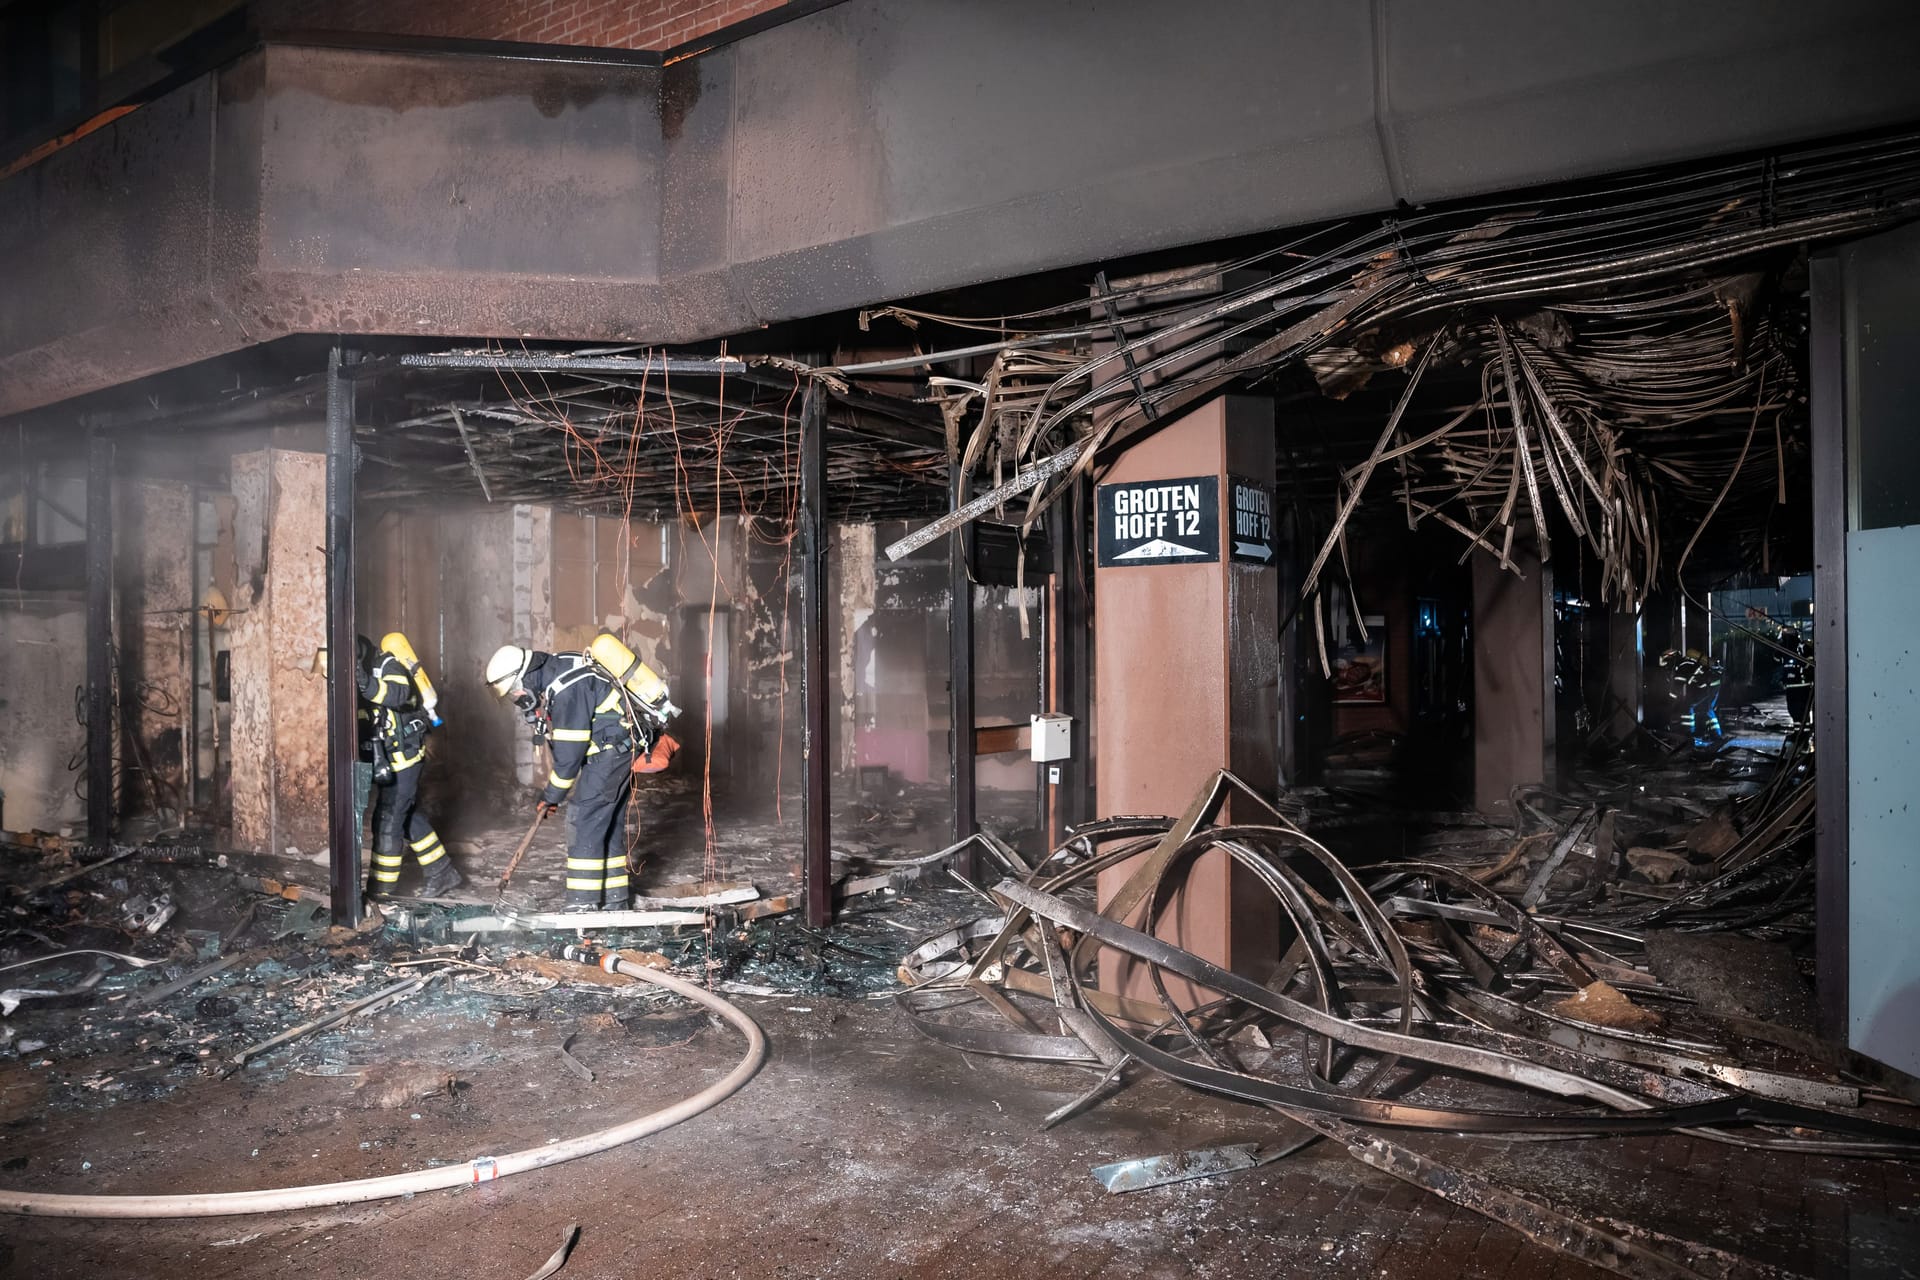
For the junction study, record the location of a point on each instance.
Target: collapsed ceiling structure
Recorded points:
(1612, 361)
(1598, 323)
(1613, 368)
(643, 436)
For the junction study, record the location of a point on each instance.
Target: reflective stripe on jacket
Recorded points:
(586, 715)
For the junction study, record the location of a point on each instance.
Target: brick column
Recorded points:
(279, 703)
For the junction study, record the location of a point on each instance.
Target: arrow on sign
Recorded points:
(1253, 550)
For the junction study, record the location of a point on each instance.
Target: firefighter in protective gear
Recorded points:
(1693, 684)
(398, 728)
(1796, 674)
(364, 754)
(1795, 663)
(592, 738)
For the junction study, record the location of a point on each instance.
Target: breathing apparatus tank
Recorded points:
(396, 644)
(648, 690)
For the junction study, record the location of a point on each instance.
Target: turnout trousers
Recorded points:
(597, 837)
(399, 825)
(1702, 716)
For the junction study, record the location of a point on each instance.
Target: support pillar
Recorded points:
(278, 743)
(1659, 632)
(1186, 671)
(1071, 637)
(101, 720)
(1512, 678)
(343, 830)
(816, 803)
(1865, 364)
(960, 675)
(1626, 680)
(1832, 858)
(531, 615)
(1696, 622)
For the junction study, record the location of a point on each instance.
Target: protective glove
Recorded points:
(547, 808)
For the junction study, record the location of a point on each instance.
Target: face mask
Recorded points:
(526, 702)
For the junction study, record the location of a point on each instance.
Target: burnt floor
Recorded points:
(669, 836)
(860, 1150)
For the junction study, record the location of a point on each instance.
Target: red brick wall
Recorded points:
(606, 24)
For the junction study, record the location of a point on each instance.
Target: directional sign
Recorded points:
(1250, 508)
(1160, 522)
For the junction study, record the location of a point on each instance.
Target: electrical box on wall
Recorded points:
(1052, 737)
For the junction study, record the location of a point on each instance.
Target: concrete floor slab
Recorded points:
(861, 1150)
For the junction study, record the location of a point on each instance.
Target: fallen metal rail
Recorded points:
(1385, 989)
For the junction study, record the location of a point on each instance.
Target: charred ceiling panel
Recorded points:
(399, 193)
(698, 293)
(865, 152)
(328, 190)
(100, 240)
(885, 149)
(1479, 97)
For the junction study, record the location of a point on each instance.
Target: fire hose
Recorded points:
(478, 1169)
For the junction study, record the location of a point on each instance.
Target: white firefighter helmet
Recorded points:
(504, 669)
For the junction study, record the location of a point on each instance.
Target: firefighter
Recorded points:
(580, 710)
(1795, 649)
(398, 724)
(364, 755)
(1796, 673)
(1693, 684)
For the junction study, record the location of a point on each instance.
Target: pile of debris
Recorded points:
(132, 976)
(1723, 855)
(1397, 999)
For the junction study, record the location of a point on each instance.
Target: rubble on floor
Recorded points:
(130, 1004)
(1446, 995)
(108, 1000)
(757, 845)
(1418, 994)
(1724, 845)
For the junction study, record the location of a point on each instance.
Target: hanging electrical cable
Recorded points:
(1626, 258)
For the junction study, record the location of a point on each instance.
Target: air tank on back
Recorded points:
(649, 691)
(397, 644)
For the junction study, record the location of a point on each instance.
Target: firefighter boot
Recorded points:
(442, 879)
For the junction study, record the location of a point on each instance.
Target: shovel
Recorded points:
(539, 816)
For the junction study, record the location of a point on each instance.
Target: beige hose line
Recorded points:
(479, 1169)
